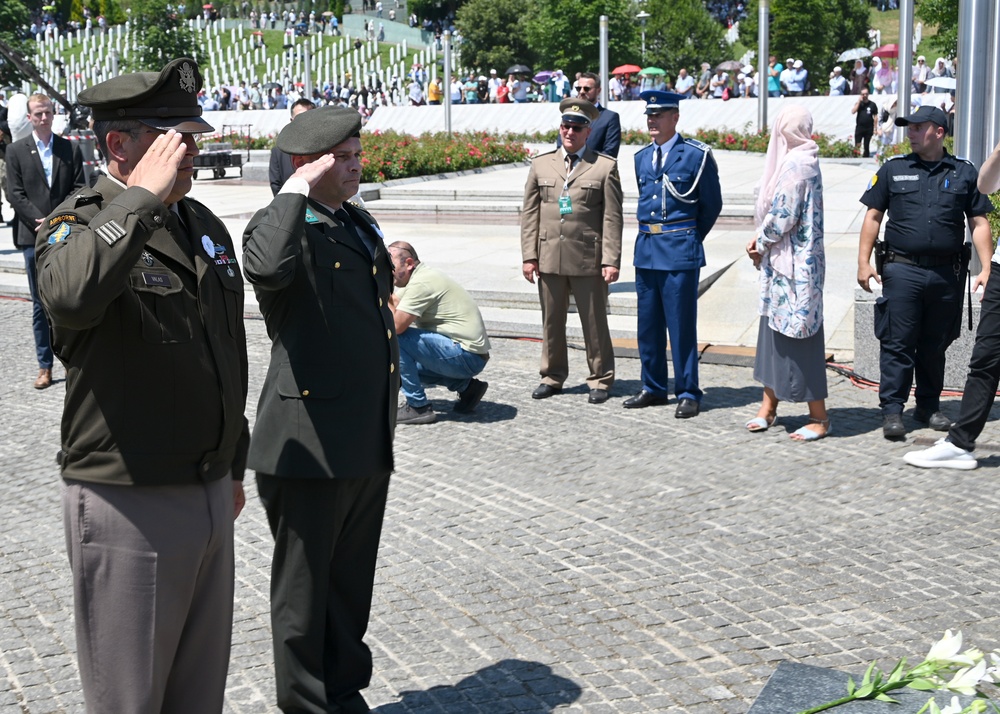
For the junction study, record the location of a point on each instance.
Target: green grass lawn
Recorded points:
(888, 23)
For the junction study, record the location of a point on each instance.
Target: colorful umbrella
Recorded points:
(626, 69)
(652, 70)
(887, 51)
(542, 77)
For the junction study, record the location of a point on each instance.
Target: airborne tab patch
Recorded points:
(66, 218)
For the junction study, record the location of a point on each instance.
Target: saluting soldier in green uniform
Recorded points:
(146, 302)
(322, 444)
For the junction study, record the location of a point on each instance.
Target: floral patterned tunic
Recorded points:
(793, 264)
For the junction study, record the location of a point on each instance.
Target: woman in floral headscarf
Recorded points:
(788, 251)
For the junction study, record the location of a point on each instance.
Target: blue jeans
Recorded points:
(39, 322)
(429, 358)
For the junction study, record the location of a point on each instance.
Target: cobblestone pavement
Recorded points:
(558, 556)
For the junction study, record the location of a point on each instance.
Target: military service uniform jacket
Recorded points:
(328, 406)
(149, 325)
(685, 220)
(578, 243)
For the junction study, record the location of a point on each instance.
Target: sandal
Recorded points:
(761, 424)
(806, 434)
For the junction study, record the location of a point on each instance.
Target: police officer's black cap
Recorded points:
(167, 99)
(319, 130)
(934, 115)
(577, 111)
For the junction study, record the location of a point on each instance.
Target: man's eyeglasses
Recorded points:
(584, 89)
(572, 127)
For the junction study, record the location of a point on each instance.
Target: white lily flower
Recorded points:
(993, 671)
(955, 707)
(965, 680)
(946, 651)
(946, 648)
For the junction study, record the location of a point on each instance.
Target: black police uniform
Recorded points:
(919, 313)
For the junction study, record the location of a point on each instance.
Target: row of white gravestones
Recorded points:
(96, 64)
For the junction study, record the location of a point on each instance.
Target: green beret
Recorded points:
(167, 99)
(319, 130)
(577, 111)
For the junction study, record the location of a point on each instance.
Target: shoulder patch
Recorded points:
(64, 218)
(872, 182)
(61, 233)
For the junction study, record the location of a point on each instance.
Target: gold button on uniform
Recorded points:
(374, 270)
(337, 264)
(392, 368)
(305, 392)
(388, 334)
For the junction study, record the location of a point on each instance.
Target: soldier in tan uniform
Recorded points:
(571, 241)
(145, 298)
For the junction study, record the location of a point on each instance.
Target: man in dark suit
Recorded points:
(606, 130)
(42, 170)
(280, 166)
(322, 446)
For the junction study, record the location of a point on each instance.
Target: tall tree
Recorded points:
(943, 14)
(565, 34)
(684, 34)
(492, 34)
(14, 23)
(815, 31)
(160, 36)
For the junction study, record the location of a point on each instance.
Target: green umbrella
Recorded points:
(652, 70)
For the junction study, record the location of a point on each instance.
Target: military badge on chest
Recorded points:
(218, 255)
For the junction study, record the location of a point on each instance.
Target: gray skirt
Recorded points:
(794, 369)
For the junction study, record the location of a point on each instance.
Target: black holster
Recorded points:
(880, 253)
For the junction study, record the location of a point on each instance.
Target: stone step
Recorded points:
(423, 206)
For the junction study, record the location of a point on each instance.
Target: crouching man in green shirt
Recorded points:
(442, 338)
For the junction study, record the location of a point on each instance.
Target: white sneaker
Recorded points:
(943, 455)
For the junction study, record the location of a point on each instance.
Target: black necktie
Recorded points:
(659, 159)
(341, 215)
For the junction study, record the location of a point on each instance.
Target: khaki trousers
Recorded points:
(153, 594)
(591, 295)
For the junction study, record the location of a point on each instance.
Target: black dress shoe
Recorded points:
(644, 398)
(935, 420)
(598, 396)
(544, 391)
(892, 426)
(687, 408)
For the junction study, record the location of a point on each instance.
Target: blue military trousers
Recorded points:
(667, 301)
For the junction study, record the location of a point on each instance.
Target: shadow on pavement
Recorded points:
(510, 685)
(485, 413)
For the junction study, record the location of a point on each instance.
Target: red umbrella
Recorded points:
(886, 51)
(626, 69)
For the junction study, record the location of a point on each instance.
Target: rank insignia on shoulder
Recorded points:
(85, 197)
(147, 258)
(871, 184)
(65, 218)
(110, 232)
(697, 144)
(61, 233)
(311, 217)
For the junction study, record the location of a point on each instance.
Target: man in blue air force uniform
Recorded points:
(679, 201)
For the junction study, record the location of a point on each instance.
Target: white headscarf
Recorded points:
(791, 150)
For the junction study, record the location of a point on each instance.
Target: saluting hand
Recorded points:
(315, 170)
(156, 171)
